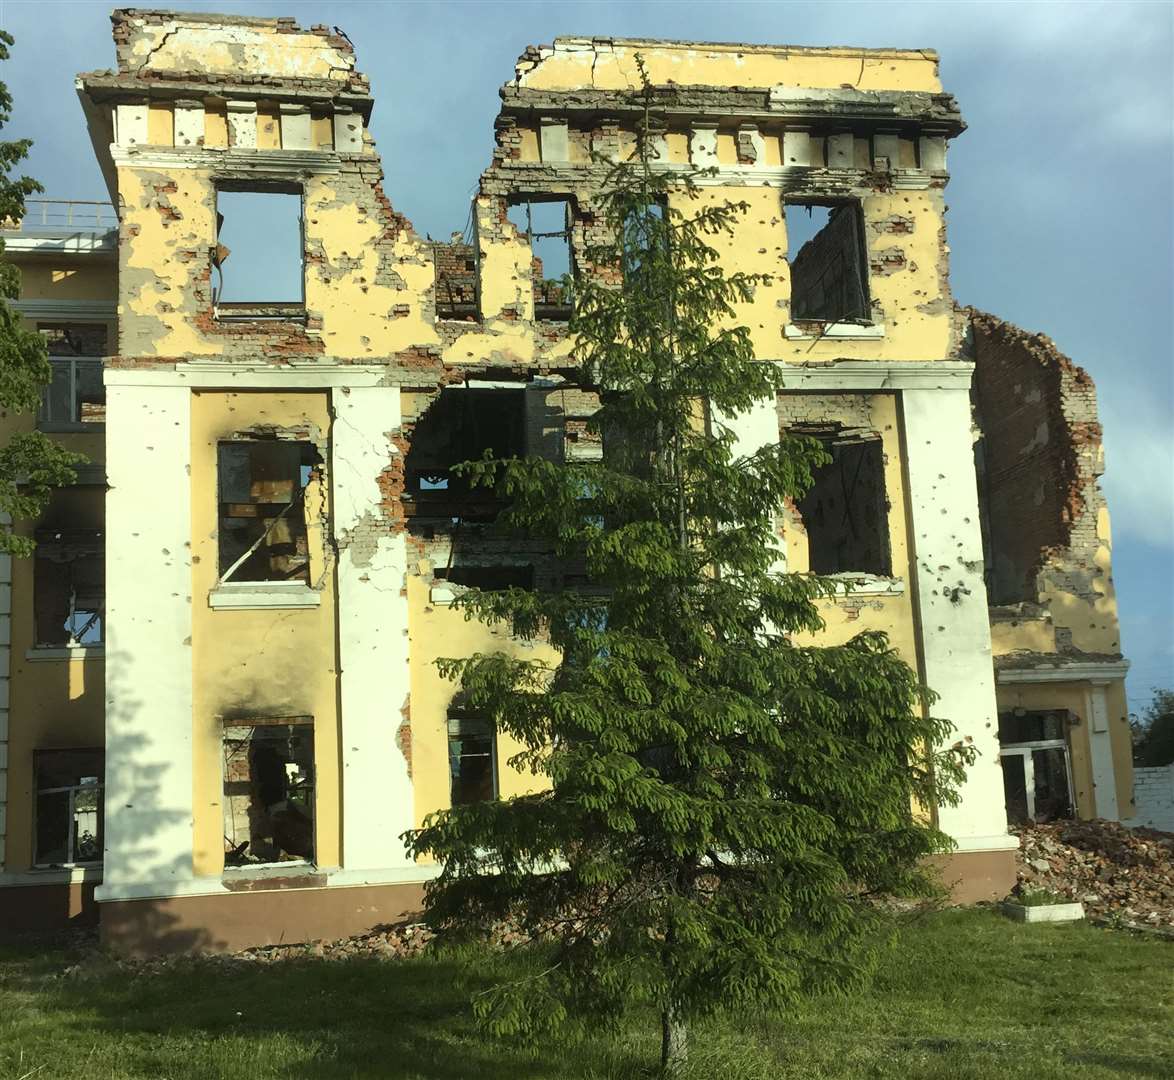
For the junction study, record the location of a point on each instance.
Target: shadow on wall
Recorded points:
(136, 768)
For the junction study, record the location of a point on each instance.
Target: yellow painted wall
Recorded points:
(62, 278)
(613, 67)
(259, 663)
(440, 631)
(160, 125)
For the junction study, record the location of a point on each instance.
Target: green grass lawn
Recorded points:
(963, 994)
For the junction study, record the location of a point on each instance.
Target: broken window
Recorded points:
(489, 578)
(461, 425)
(548, 223)
(69, 587)
(259, 255)
(69, 807)
(828, 257)
(845, 513)
(262, 490)
(456, 279)
(472, 759)
(269, 791)
(76, 393)
(1037, 773)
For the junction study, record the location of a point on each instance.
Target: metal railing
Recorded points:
(67, 214)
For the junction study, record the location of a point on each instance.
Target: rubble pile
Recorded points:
(1117, 873)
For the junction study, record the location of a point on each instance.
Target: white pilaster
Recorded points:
(377, 794)
(797, 148)
(951, 600)
(348, 132)
(842, 151)
(933, 153)
(554, 141)
(887, 148)
(242, 124)
(295, 127)
(189, 123)
(148, 828)
(754, 429)
(130, 124)
(1100, 744)
(703, 145)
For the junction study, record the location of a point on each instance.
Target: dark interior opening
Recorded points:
(829, 263)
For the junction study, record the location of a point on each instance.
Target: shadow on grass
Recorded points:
(296, 1018)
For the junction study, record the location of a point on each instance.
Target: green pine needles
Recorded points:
(723, 803)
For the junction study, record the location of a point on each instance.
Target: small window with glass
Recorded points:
(69, 808)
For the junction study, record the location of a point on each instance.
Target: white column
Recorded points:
(377, 794)
(554, 140)
(797, 148)
(1100, 744)
(148, 825)
(951, 601)
(754, 429)
(703, 145)
(295, 127)
(842, 151)
(242, 124)
(130, 124)
(348, 132)
(189, 123)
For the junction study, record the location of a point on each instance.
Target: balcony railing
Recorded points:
(67, 214)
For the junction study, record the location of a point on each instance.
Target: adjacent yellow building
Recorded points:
(223, 709)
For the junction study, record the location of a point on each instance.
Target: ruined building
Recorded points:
(220, 706)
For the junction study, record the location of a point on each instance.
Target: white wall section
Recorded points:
(148, 831)
(377, 795)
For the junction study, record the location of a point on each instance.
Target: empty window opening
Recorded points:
(69, 588)
(461, 425)
(548, 226)
(264, 488)
(489, 578)
(829, 262)
(76, 393)
(456, 279)
(69, 808)
(259, 253)
(845, 512)
(1037, 772)
(472, 758)
(269, 792)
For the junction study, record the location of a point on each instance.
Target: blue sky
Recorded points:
(1060, 204)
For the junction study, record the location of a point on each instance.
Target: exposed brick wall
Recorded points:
(456, 280)
(1040, 464)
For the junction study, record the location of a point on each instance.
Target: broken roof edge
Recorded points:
(213, 18)
(750, 47)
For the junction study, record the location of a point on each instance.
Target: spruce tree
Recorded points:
(31, 464)
(723, 802)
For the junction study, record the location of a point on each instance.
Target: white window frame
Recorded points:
(74, 423)
(1025, 751)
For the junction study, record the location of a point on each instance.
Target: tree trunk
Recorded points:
(674, 1045)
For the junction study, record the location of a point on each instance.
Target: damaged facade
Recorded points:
(223, 708)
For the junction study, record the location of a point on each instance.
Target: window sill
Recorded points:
(53, 875)
(88, 427)
(259, 312)
(836, 331)
(66, 652)
(854, 584)
(262, 595)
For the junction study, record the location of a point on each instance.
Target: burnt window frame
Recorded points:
(830, 437)
(66, 538)
(856, 204)
(268, 724)
(456, 717)
(39, 754)
(1028, 748)
(225, 574)
(279, 311)
(558, 313)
